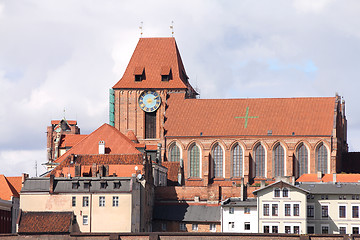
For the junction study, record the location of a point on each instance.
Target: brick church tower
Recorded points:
(138, 101)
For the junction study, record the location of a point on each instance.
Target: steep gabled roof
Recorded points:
(115, 143)
(9, 188)
(280, 184)
(312, 116)
(152, 57)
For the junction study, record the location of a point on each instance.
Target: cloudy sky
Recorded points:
(67, 54)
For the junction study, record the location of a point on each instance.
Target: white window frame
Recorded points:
(345, 226)
(355, 205)
(325, 225)
(231, 226)
(183, 226)
(212, 227)
(115, 201)
(101, 201)
(328, 208)
(342, 205)
(85, 219)
(85, 201)
(231, 210)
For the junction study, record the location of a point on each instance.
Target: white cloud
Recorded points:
(16, 162)
(70, 53)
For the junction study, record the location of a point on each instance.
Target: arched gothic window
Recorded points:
(217, 154)
(302, 160)
(237, 161)
(194, 161)
(174, 153)
(259, 154)
(322, 158)
(278, 161)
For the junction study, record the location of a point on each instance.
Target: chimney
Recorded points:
(51, 189)
(101, 147)
(242, 189)
(334, 177)
(319, 175)
(262, 183)
(93, 170)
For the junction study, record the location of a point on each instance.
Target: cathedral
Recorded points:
(223, 142)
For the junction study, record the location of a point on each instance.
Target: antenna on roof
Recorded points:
(141, 29)
(172, 28)
(64, 113)
(36, 168)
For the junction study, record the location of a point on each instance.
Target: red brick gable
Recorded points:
(155, 56)
(115, 143)
(313, 116)
(173, 170)
(45, 222)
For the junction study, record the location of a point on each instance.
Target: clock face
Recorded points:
(149, 101)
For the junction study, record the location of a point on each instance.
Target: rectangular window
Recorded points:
(231, 226)
(266, 229)
(150, 125)
(85, 220)
(310, 229)
(296, 209)
(342, 211)
(212, 227)
(287, 229)
(116, 185)
(324, 211)
(115, 201)
(355, 230)
(310, 210)
(103, 185)
(275, 209)
(285, 192)
(86, 185)
(247, 226)
(73, 201)
(102, 201)
(324, 229)
(163, 227)
(274, 229)
(247, 210)
(277, 192)
(266, 209)
(182, 226)
(342, 230)
(287, 210)
(85, 201)
(231, 210)
(355, 211)
(296, 229)
(75, 185)
(138, 78)
(165, 78)
(194, 227)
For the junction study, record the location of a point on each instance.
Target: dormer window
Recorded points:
(277, 192)
(139, 74)
(165, 73)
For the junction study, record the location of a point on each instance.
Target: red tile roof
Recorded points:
(152, 54)
(70, 122)
(9, 187)
(173, 169)
(115, 143)
(69, 140)
(151, 147)
(45, 222)
(350, 178)
(220, 117)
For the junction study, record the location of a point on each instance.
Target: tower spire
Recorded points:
(172, 28)
(141, 29)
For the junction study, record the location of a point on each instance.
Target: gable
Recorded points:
(152, 58)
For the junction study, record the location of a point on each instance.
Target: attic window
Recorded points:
(139, 74)
(86, 184)
(75, 185)
(165, 73)
(117, 185)
(103, 185)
